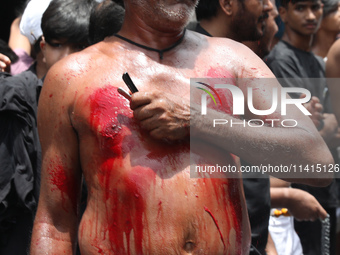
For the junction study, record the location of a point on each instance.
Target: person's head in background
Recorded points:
(302, 19)
(329, 28)
(65, 28)
(30, 26)
(331, 15)
(331, 18)
(106, 19)
(119, 2)
(263, 46)
(240, 20)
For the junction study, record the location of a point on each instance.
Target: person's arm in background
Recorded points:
(325, 122)
(270, 247)
(18, 40)
(22, 48)
(300, 204)
(330, 131)
(333, 77)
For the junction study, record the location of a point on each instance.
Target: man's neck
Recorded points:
(215, 28)
(150, 37)
(301, 42)
(159, 34)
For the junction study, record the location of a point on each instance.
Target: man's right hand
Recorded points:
(315, 108)
(304, 206)
(163, 115)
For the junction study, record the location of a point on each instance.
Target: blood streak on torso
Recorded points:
(133, 170)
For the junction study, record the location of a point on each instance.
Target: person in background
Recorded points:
(293, 61)
(263, 46)
(106, 19)
(20, 152)
(329, 28)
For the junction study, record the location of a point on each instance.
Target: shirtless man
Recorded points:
(135, 156)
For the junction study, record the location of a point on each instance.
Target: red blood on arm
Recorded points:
(63, 181)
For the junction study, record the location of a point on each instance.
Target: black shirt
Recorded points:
(20, 153)
(294, 67)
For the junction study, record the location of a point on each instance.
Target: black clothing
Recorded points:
(310, 235)
(295, 68)
(288, 62)
(257, 194)
(20, 158)
(201, 30)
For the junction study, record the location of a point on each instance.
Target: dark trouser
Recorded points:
(16, 241)
(254, 251)
(310, 234)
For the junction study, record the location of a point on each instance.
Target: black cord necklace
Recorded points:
(160, 52)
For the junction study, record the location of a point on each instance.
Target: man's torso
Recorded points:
(141, 197)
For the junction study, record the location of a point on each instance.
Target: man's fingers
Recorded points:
(143, 112)
(303, 95)
(2, 65)
(315, 99)
(124, 93)
(149, 123)
(140, 98)
(5, 59)
(318, 107)
(322, 213)
(318, 116)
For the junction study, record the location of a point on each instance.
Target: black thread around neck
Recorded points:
(160, 52)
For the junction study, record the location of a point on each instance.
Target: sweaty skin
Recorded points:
(141, 199)
(333, 73)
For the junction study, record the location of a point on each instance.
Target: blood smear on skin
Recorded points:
(63, 183)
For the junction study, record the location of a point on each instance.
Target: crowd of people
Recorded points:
(90, 165)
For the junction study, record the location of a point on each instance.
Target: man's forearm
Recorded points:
(46, 239)
(264, 145)
(279, 197)
(330, 131)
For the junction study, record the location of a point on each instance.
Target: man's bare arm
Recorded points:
(168, 117)
(333, 75)
(330, 131)
(54, 230)
(300, 204)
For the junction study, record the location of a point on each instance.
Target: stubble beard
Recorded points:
(172, 17)
(240, 26)
(177, 15)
